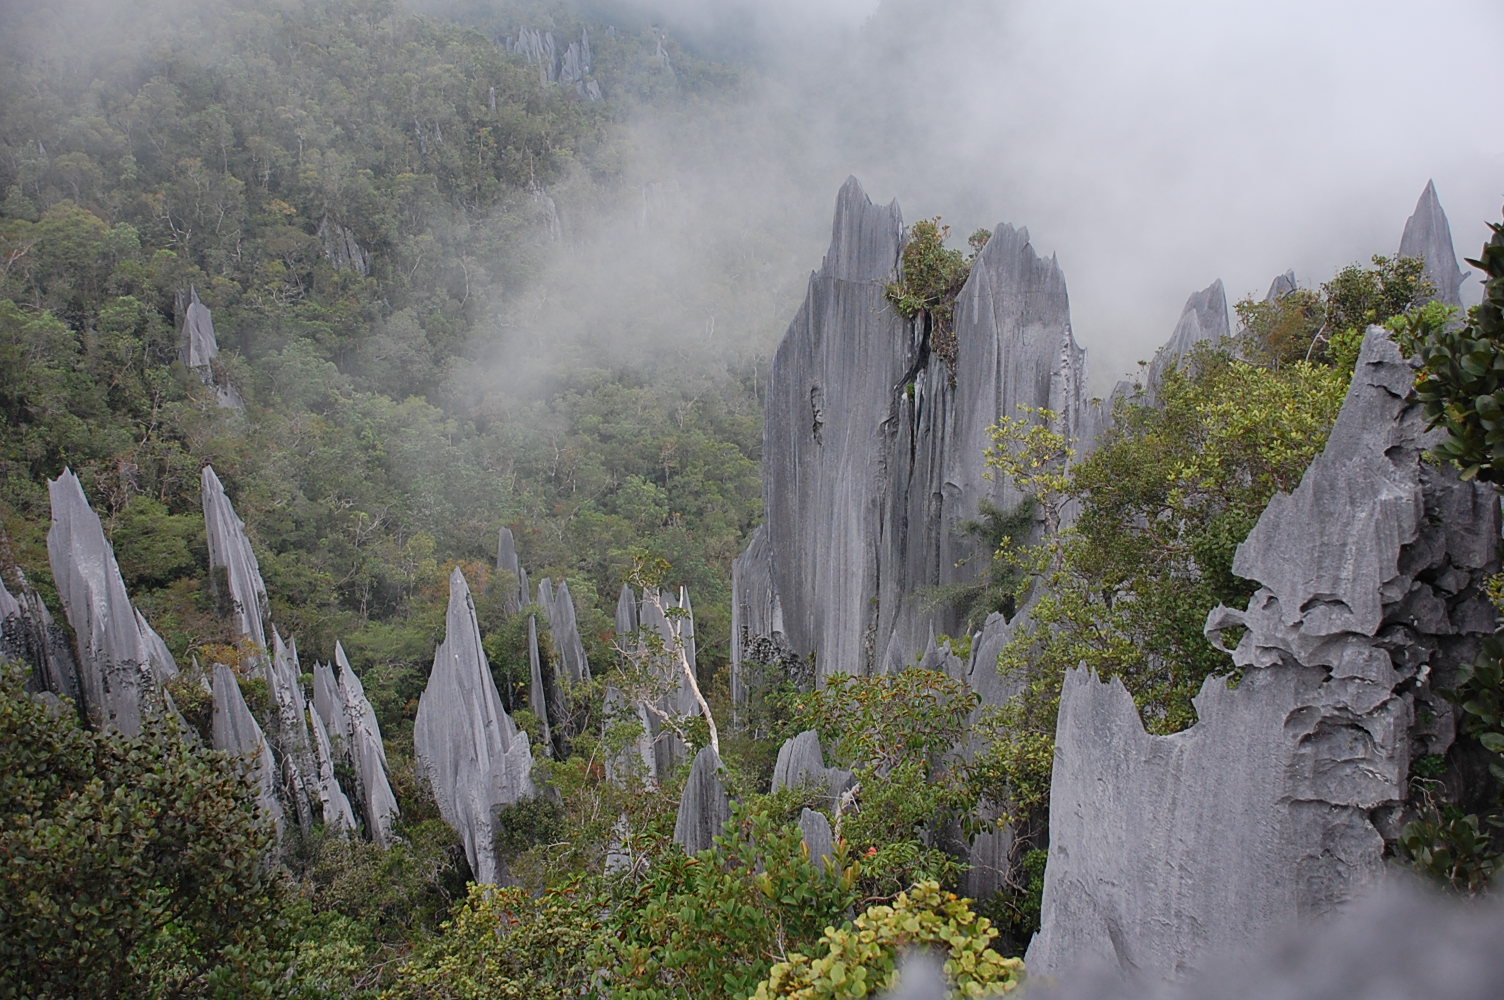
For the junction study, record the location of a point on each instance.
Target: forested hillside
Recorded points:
(358, 193)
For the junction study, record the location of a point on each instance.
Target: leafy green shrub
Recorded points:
(129, 867)
(711, 925)
(929, 281)
(859, 959)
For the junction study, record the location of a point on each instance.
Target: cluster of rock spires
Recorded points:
(1280, 801)
(569, 68)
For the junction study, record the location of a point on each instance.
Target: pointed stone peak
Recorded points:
(1204, 318)
(865, 239)
(230, 550)
(121, 661)
(1428, 236)
(1282, 285)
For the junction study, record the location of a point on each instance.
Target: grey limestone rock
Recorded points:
(537, 693)
(235, 731)
(815, 831)
(470, 751)
(756, 618)
(518, 594)
(340, 703)
(290, 734)
(801, 761)
(1166, 849)
(232, 562)
(121, 661)
(201, 349)
(704, 806)
(1400, 942)
(1428, 236)
(342, 249)
(334, 805)
(28, 634)
(873, 449)
(1282, 285)
(569, 68)
(1203, 319)
(558, 604)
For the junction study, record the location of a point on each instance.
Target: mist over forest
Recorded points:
(646, 498)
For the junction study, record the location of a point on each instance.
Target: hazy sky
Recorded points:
(1153, 146)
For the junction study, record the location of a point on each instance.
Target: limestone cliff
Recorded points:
(1277, 803)
(873, 448)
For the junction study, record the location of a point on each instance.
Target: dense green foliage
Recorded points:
(1458, 834)
(132, 867)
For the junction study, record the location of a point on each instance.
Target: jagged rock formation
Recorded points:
(570, 68)
(334, 805)
(873, 455)
(340, 704)
(290, 734)
(236, 732)
(201, 348)
(518, 594)
(232, 562)
(1428, 236)
(1277, 803)
(704, 806)
(537, 693)
(815, 831)
(556, 602)
(28, 634)
(801, 761)
(667, 644)
(342, 249)
(640, 755)
(470, 751)
(1203, 319)
(121, 661)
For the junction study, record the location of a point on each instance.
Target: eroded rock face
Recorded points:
(232, 562)
(704, 806)
(334, 805)
(28, 634)
(1204, 319)
(801, 761)
(570, 68)
(473, 755)
(290, 731)
(342, 249)
(201, 349)
(873, 448)
(340, 704)
(236, 732)
(1276, 804)
(517, 594)
(121, 661)
(1428, 236)
(571, 667)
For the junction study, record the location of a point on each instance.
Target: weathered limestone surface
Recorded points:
(1428, 236)
(801, 761)
(334, 805)
(235, 731)
(201, 348)
(340, 704)
(704, 806)
(518, 593)
(571, 667)
(570, 68)
(472, 753)
(1402, 941)
(232, 560)
(121, 661)
(290, 733)
(817, 836)
(537, 693)
(341, 248)
(1276, 804)
(873, 448)
(1203, 319)
(28, 634)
